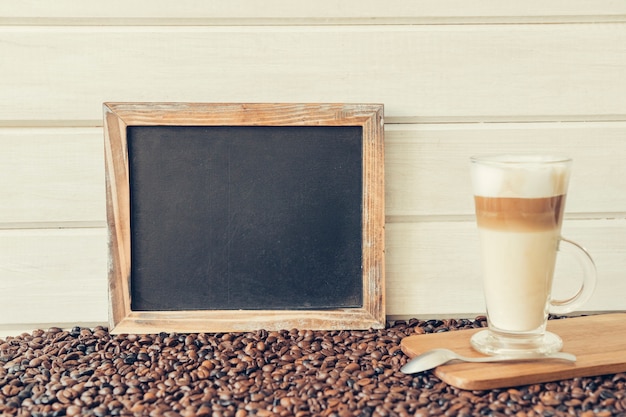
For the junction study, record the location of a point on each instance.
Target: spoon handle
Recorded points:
(431, 359)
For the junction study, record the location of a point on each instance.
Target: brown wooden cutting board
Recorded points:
(599, 343)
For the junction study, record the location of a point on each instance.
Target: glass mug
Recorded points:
(519, 202)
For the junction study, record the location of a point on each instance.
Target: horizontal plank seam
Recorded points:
(467, 315)
(389, 120)
(393, 218)
(507, 119)
(440, 218)
(53, 225)
(315, 21)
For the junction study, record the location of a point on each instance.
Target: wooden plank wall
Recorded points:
(456, 79)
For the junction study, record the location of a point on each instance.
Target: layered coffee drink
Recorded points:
(519, 213)
(519, 210)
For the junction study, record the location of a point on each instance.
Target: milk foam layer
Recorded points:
(520, 176)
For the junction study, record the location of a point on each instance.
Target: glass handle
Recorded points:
(589, 279)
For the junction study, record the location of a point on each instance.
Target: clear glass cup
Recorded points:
(519, 201)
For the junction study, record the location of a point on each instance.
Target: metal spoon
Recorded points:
(433, 358)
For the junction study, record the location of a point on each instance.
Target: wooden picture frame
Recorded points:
(120, 118)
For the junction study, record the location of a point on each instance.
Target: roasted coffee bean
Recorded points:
(130, 359)
(280, 373)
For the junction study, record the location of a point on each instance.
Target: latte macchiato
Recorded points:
(519, 204)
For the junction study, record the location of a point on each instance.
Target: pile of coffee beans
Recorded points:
(264, 373)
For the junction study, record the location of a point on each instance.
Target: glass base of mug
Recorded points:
(491, 343)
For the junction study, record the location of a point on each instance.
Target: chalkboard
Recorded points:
(244, 216)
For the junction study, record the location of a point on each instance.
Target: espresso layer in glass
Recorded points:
(519, 214)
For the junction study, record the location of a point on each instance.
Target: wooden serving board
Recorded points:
(599, 343)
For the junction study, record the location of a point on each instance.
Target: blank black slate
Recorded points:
(245, 217)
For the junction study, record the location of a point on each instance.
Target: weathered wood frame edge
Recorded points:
(118, 116)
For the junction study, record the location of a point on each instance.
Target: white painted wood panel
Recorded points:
(59, 276)
(421, 73)
(53, 175)
(427, 166)
(433, 267)
(56, 175)
(53, 276)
